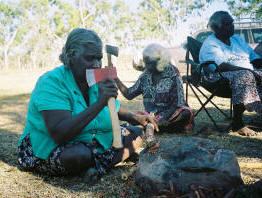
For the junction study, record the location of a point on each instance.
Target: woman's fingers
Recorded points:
(152, 120)
(107, 89)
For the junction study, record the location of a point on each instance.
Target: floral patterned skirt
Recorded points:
(245, 88)
(52, 166)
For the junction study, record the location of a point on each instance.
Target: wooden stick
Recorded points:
(117, 138)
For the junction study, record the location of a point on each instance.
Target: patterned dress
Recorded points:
(246, 89)
(160, 97)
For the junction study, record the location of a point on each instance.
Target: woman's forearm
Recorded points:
(224, 67)
(123, 89)
(63, 127)
(136, 119)
(128, 116)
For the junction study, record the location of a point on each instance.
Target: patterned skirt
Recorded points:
(245, 88)
(52, 166)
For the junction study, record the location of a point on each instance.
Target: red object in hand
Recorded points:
(94, 76)
(110, 72)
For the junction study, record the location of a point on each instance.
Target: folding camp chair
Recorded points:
(194, 80)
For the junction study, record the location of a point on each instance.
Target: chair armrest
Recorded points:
(189, 61)
(207, 63)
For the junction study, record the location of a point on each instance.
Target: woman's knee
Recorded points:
(83, 154)
(77, 156)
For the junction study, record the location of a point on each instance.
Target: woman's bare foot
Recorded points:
(245, 131)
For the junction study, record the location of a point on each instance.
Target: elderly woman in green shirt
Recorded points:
(68, 128)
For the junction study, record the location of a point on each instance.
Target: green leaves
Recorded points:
(41, 26)
(252, 8)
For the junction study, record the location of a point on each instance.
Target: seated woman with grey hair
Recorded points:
(68, 128)
(238, 63)
(161, 87)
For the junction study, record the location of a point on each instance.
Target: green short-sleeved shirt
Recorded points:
(57, 90)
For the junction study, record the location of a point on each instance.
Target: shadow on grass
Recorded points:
(14, 108)
(243, 146)
(13, 115)
(13, 100)
(12, 119)
(110, 185)
(8, 147)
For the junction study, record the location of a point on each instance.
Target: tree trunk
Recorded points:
(6, 49)
(6, 66)
(19, 63)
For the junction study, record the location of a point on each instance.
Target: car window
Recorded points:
(243, 34)
(257, 34)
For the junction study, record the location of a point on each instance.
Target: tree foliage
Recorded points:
(251, 8)
(32, 32)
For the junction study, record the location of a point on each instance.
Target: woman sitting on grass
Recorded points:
(68, 128)
(161, 87)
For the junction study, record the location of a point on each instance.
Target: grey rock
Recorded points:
(185, 161)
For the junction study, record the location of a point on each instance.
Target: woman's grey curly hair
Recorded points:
(155, 51)
(75, 40)
(216, 19)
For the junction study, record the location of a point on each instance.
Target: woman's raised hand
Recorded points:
(107, 89)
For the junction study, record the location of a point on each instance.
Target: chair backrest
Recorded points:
(194, 46)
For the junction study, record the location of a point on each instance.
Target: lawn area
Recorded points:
(15, 89)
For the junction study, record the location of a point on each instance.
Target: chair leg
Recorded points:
(187, 74)
(204, 104)
(203, 107)
(187, 92)
(209, 100)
